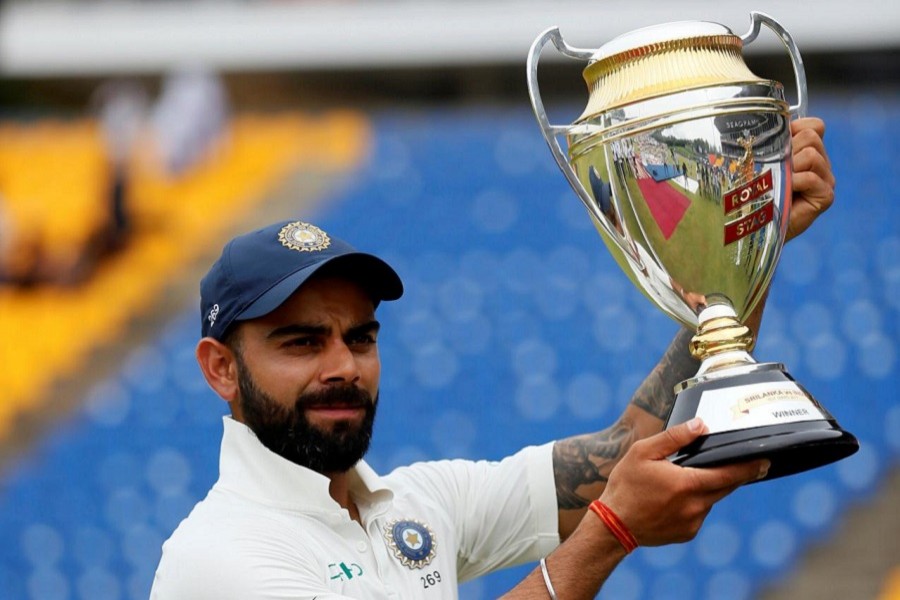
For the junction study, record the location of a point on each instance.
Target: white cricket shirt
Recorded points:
(269, 528)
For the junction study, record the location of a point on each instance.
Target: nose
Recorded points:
(339, 364)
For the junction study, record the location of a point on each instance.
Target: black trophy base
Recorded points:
(791, 447)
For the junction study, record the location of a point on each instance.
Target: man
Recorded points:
(290, 342)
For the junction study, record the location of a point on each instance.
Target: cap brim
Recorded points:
(373, 274)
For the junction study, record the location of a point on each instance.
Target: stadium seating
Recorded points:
(54, 186)
(516, 328)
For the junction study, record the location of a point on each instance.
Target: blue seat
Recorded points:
(514, 314)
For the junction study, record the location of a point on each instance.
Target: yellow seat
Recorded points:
(54, 179)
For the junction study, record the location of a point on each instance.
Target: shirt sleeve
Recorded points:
(504, 513)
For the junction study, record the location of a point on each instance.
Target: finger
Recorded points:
(715, 496)
(807, 141)
(809, 159)
(813, 188)
(812, 192)
(808, 123)
(666, 442)
(804, 213)
(721, 481)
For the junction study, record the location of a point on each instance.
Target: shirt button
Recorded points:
(361, 546)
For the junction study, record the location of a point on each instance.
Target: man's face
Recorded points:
(308, 375)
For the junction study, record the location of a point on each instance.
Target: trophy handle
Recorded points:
(798, 110)
(550, 132)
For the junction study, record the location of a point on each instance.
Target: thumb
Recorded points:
(666, 442)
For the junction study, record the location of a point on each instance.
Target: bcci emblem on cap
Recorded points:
(303, 237)
(412, 542)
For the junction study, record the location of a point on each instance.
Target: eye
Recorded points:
(362, 339)
(301, 342)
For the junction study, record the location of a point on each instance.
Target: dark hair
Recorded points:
(232, 338)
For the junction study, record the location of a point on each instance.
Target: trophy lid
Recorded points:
(657, 34)
(663, 59)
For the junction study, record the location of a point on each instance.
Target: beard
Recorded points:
(288, 433)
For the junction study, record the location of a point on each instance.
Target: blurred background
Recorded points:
(136, 137)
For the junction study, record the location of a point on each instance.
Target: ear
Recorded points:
(219, 367)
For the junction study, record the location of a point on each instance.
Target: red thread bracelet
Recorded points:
(615, 525)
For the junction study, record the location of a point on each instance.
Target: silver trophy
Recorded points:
(683, 160)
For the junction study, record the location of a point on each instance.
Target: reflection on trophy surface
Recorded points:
(682, 157)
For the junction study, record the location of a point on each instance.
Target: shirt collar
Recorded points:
(248, 468)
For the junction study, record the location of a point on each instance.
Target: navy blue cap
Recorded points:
(258, 271)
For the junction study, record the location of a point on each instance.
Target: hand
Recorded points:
(663, 503)
(813, 180)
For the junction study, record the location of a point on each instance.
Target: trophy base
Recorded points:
(791, 448)
(758, 411)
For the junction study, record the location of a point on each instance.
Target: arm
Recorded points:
(582, 464)
(661, 503)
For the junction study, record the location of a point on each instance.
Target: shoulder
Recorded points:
(221, 551)
(228, 525)
(442, 478)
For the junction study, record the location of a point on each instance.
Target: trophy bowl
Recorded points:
(682, 158)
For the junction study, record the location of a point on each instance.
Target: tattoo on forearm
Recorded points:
(657, 392)
(587, 459)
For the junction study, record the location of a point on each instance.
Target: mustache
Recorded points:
(346, 396)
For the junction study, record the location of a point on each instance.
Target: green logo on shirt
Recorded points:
(344, 571)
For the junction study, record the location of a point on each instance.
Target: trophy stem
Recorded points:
(720, 333)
